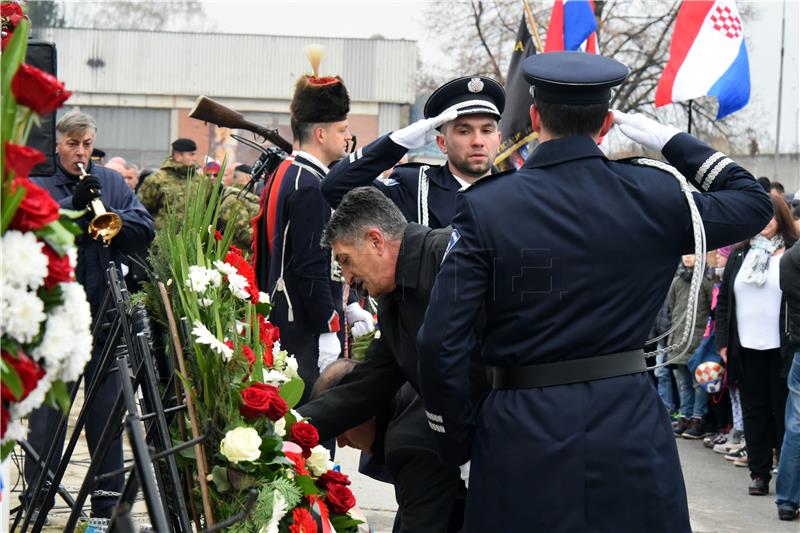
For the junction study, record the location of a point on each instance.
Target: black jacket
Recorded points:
(725, 315)
(790, 285)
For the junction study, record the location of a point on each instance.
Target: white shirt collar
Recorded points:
(464, 185)
(311, 158)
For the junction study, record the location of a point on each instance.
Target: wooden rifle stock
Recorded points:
(208, 110)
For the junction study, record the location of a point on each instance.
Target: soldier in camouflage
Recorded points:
(166, 187)
(239, 207)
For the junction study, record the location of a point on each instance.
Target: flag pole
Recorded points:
(780, 97)
(532, 26)
(689, 129)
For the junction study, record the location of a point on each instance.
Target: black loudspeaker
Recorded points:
(42, 55)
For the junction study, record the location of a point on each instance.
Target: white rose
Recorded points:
(280, 427)
(241, 444)
(319, 461)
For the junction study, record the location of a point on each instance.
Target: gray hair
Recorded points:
(361, 209)
(75, 122)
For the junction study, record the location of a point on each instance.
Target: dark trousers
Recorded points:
(764, 395)
(44, 422)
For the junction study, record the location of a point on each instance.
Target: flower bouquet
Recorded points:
(244, 383)
(45, 319)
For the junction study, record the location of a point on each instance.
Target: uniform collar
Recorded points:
(308, 159)
(407, 269)
(64, 177)
(562, 150)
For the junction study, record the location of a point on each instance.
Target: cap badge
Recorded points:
(475, 85)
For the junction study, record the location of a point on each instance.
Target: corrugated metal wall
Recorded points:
(388, 118)
(242, 66)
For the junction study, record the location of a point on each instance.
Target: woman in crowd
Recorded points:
(749, 337)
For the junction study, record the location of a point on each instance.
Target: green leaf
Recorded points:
(6, 448)
(219, 475)
(344, 523)
(72, 214)
(51, 297)
(71, 227)
(307, 485)
(10, 60)
(10, 206)
(292, 391)
(57, 236)
(60, 395)
(11, 379)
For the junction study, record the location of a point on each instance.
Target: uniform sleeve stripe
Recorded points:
(707, 164)
(433, 417)
(711, 176)
(436, 427)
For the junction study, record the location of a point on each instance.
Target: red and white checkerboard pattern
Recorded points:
(725, 22)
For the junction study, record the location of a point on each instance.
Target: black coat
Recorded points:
(725, 317)
(790, 285)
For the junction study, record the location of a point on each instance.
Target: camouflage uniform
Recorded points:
(166, 187)
(243, 207)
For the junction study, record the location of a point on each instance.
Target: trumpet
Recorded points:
(104, 226)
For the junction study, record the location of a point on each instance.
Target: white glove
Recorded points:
(465, 473)
(422, 131)
(329, 350)
(360, 320)
(645, 131)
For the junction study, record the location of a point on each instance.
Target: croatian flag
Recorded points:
(572, 26)
(707, 57)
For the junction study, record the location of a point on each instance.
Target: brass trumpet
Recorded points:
(104, 226)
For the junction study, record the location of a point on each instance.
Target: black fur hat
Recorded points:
(323, 99)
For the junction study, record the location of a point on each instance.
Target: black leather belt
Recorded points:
(566, 372)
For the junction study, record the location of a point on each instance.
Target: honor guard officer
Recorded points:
(305, 283)
(573, 437)
(465, 111)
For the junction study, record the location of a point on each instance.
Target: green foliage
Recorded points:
(292, 391)
(345, 523)
(11, 379)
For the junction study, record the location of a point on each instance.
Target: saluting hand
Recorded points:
(645, 131)
(422, 131)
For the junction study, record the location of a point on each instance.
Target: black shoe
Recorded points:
(759, 486)
(680, 426)
(787, 511)
(695, 430)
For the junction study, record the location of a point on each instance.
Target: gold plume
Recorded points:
(314, 54)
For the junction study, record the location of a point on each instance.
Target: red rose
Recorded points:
(29, 373)
(38, 90)
(299, 463)
(59, 268)
(37, 208)
(339, 498)
(21, 159)
(260, 399)
(332, 477)
(305, 435)
(303, 522)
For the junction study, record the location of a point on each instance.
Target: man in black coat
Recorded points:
(76, 136)
(397, 262)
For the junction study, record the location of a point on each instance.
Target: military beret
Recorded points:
(573, 78)
(468, 95)
(184, 145)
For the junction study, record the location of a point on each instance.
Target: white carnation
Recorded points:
(319, 461)
(22, 262)
(67, 343)
(34, 399)
(203, 336)
(15, 431)
(263, 297)
(21, 314)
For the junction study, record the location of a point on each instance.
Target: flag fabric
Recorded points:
(572, 26)
(707, 57)
(515, 124)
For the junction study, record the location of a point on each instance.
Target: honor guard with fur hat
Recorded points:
(573, 436)
(463, 115)
(304, 282)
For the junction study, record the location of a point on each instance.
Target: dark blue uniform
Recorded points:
(434, 207)
(306, 285)
(581, 271)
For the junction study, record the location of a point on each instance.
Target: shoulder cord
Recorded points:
(698, 272)
(422, 195)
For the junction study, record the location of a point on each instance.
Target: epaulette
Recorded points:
(490, 178)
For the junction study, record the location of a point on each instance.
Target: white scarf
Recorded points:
(754, 268)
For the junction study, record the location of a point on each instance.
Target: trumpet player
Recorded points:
(73, 190)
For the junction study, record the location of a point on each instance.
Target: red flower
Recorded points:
(29, 373)
(217, 235)
(12, 12)
(21, 159)
(37, 208)
(59, 268)
(332, 477)
(38, 90)
(246, 351)
(305, 435)
(268, 333)
(340, 499)
(303, 522)
(235, 259)
(299, 463)
(260, 399)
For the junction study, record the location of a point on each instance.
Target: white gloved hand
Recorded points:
(360, 320)
(329, 350)
(421, 132)
(645, 131)
(465, 473)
